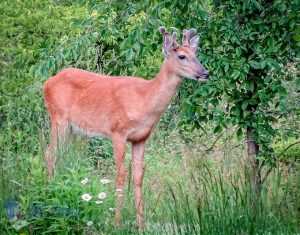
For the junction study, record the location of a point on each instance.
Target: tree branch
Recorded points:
(216, 140)
(283, 151)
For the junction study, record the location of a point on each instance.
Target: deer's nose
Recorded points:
(206, 74)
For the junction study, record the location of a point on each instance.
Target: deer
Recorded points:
(123, 108)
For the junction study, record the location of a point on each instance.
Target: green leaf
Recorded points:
(215, 102)
(250, 85)
(235, 74)
(257, 21)
(268, 78)
(292, 24)
(282, 91)
(246, 113)
(254, 64)
(273, 86)
(238, 51)
(257, 48)
(281, 21)
(217, 129)
(226, 68)
(273, 63)
(136, 46)
(263, 64)
(130, 54)
(282, 107)
(257, 5)
(245, 104)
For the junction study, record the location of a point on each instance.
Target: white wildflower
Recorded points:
(89, 223)
(105, 181)
(86, 197)
(102, 195)
(99, 202)
(84, 181)
(112, 209)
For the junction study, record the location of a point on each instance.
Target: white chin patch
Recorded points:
(201, 79)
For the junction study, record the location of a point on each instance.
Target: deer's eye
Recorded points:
(182, 57)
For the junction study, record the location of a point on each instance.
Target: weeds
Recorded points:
(211, 196)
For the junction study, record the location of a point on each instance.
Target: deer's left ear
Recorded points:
(194, 42)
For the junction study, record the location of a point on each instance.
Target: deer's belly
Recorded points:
(81, 130)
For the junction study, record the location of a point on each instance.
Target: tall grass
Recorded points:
(211, 195)
(214, 199)
(218, 207)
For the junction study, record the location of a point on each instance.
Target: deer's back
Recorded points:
(96, 103)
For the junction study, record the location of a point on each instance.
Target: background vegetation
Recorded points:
(199, 179)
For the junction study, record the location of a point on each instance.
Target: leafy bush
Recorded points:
(288, 150)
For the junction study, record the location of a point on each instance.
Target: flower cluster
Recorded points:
(101, 196)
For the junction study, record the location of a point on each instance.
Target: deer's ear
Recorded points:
(194, 42)
(167, 45)
(169, 41)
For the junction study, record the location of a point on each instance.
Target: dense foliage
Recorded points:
(251, 49)
(25, 35)
(249, 46)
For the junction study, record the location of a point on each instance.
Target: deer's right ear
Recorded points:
(167, 41)
(194, 42)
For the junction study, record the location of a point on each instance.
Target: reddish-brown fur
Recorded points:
(122, 108)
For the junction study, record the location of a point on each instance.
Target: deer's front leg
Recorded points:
(119, 146)
(138, 150)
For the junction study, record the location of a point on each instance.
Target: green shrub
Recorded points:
(288, 150)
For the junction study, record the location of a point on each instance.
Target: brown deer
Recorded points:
(122, 108)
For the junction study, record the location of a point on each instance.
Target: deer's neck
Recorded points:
(163, 88)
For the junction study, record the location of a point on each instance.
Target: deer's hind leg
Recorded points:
(58, 133)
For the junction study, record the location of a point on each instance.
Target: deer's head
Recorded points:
(182, 57)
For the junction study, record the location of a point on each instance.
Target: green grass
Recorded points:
(207, 195)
